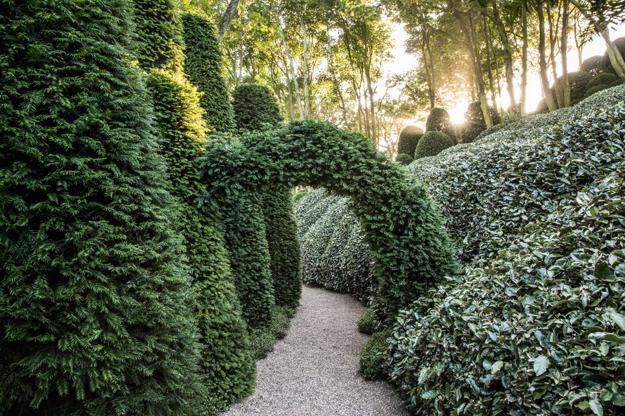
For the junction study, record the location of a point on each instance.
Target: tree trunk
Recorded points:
(507, 54)
(552, 57)
(566, 88)
(524, 61)
(429, 66)
(226, 18)
(549, 99)
(285, 47)
(489, 63)
(305, 68)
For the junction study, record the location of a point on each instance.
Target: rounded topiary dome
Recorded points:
(404, 159)
(438, 120)
(595, 88)
(604, 78)
(577, 84)
(255, 108)
(592, 64)
(408, 139)
(432, 143)
(474, 121)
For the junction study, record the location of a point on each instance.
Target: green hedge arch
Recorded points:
(409, 244)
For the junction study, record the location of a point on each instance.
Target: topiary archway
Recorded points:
(409, 244)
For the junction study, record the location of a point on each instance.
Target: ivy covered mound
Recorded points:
(402, 227)
(541, 327)
(95, 310)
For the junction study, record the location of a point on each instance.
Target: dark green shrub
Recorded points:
(594, 89)
(500, 339)
(374, 357)
(227, 360)
(255, 108)
(438, 120)
(408, 253)
(592, 65)
(474, 121)
(264, 339)
(408, 139)
(158, 35)
(577, 83)
(432, 143)
(203, 66)
(281, 232)
(95, 311)
(404, 159)
(601, 79)
(367, 323)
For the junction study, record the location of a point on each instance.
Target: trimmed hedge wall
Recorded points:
(432, 143)
(255, 108)
(407, 239)
(540, 327)
(203, 66)
(95, 311)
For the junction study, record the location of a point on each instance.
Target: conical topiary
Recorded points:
(94, 296)
(227, 361)
(203, 66)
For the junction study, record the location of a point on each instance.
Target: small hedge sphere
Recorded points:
(595, 89)
(592, 65)
(404, 159)
(255, 108)
(604, 78)
(432, 143)
(408, 139)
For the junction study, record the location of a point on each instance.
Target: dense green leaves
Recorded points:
(95, 313)
(539, 327)
(408, 139)
(432, 143)
(203, 67)
(404, 231)
(255, 108)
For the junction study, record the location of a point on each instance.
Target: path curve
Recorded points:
(313, 371)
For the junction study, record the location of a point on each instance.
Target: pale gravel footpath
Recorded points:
(313, 371)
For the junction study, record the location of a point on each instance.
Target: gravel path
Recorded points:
(313, 371)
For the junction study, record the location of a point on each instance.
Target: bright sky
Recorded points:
(403, 62)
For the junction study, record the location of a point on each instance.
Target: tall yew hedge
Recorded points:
(95, 299)
(203, 66)
(227, 363)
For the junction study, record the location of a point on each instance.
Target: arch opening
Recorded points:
(408, 242)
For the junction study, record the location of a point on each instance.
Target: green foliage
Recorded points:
(602, 79)
(374, 357)
(249, 253)
(438, 120)
(539, 328)
(577, 83)
(203, 66)
(227, 361)
(310, 208)
(404, 159)
(255, 108)
(409, 253)
(158, 38)
(367, 323)
(284, 250)
(95, 311)
(595, 89)
(264, 339)
(335, 255)
(408, 139)
(474, 121)
(432, 143)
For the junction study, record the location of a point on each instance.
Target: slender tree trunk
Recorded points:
(578, 42)
(566, 88)
(226, 18)
(489, 63)
(429, 67)
(285, 47)
(559, 96)
(305, 68)
(507, 54)
(549, 99)
(524, 61)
